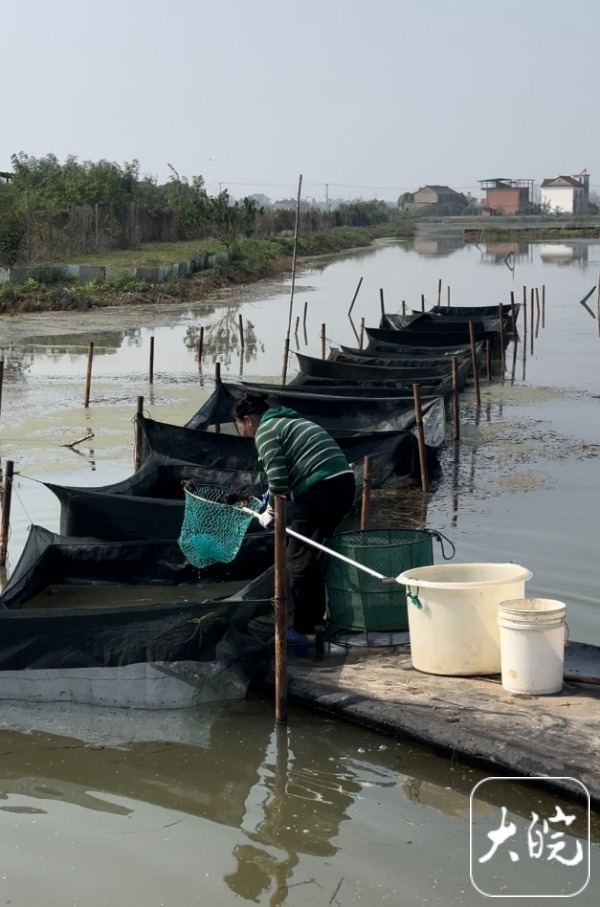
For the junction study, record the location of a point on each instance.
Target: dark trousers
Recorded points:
(317, 514)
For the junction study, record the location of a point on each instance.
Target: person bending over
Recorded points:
(302, 462)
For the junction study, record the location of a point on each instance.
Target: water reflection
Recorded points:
(562, 254)
(299, 799)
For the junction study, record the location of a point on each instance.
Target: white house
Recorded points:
(566, 194)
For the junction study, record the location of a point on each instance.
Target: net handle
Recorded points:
(341, 557)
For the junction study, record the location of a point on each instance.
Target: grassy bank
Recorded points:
(252, 260)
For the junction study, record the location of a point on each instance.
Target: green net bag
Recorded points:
(214, 523)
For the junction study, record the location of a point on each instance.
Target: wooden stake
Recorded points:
(138, 435)
(537, 302)
(88, 378)
(6, 500)
(488, 360)
(323, 341)
(1, 382)
(524, 310)
(151, 367)
(422, 302)
(543, 305)
(455, 401)
(351, 304)
(241, 327)
(501, 325)
(200, 346)
(304, 317)
(87, 437)
(297, 325)
(513, 316)
(439, 291)
(448, 296)
(420, 436)
(474, 363)
(381, 302)
(362, 333)
(531, 339)
(365, 502)
(217, 373)
(280, 610)
(286, 353)
(403, 307)
(289, 327)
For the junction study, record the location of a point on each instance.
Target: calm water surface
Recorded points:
(226, 809)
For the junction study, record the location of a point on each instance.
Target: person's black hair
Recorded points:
(251, 403)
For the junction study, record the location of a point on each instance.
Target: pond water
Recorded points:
(221, 809)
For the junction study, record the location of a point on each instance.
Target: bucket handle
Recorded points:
(441, 538)
(414, 598)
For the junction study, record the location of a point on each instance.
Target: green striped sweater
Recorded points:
(295, 453)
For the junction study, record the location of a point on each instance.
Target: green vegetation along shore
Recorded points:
(252, 259)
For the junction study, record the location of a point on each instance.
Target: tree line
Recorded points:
(50, 210)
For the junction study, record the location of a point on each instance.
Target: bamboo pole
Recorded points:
(138, 435)
(513, 315)
(241, 328)
(280, 610)
(217, 373)
(455, 400)
(297, 325)
(200, 346)
(422, 302)
(488, 361)
(304, 316)
(151, 366)
(365, 501)
(323, 341)
(474, 364)
(351, 304)
(362, 333)
(448, 295)
(88, 377)
(289, 328)
(420, 436)
(501, 332)
(543, 305)
(381, 302)
(439, 298)
(524, 310)
(403, 307)
(1, 382)
(6, 501)
(531, 316)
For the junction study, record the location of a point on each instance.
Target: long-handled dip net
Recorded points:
(214, 523)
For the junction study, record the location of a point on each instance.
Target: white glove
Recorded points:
(267, 518)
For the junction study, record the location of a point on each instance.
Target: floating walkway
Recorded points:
(468, 718)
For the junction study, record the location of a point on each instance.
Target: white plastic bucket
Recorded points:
(532, 645)
(453, 615)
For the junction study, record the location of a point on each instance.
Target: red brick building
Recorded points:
(507, 196)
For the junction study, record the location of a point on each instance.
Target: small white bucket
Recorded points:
(532, 645)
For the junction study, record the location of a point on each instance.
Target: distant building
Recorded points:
(430, 196)
(567, 194)
(506, 196)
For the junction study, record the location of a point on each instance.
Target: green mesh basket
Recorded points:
(357, 601)
(214, 524)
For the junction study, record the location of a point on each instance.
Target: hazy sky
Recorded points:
(373, 97)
